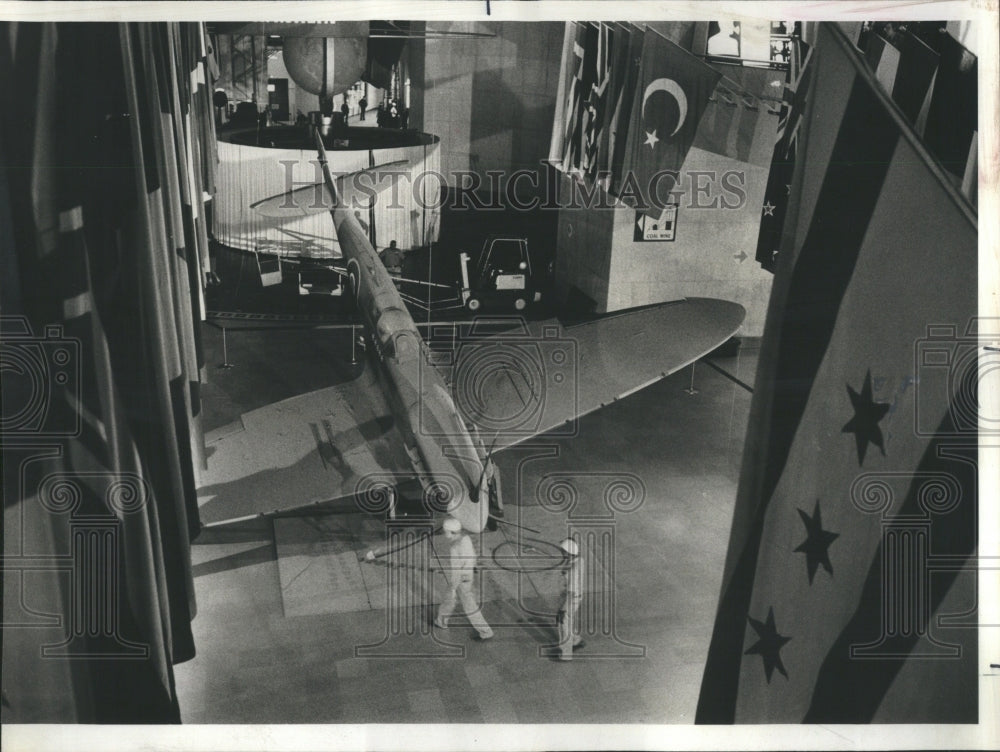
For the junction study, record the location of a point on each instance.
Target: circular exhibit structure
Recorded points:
(399, 196)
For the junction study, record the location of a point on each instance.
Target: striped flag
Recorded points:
(952, 117)
(81, 270)
(917, 65)
(584, 75)
(596, 104)
(619, 68)
(849, 590)
(779, 179)
(883, 57)
(567, 70)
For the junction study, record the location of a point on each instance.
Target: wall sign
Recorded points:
(650, 228)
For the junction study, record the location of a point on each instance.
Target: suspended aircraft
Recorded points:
(409, 416)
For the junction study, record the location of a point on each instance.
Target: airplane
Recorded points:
(358, 442)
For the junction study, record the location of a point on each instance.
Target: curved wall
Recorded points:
(248, 173)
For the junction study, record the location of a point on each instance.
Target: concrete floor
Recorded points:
(663, 571)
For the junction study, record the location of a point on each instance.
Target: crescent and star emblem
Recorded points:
(672, 88)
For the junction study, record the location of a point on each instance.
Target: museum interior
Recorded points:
(678, 320)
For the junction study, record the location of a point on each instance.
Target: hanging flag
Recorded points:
(779, 179)
(741, 98)
(619, 64)
(883, 58)
(621, 117)
(917, 64)
(597, 102)
(586, 52)
(952, 116)
(670, 99)
(106, 492)
(571, 101)
(567, 68)
(849, 589)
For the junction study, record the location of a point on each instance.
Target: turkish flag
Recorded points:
(673, 92)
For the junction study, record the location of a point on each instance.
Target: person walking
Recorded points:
(345, 109)
(363, 105)
(567, 619)
(462, 561)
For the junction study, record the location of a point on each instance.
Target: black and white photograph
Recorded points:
(511, 375)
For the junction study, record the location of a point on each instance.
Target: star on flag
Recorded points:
(768, 647)
(651, 138)
(867, 414)
(769, 209)
(817, 543)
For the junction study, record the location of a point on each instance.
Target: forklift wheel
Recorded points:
(520, 304)
(473, 304)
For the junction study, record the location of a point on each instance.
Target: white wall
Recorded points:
(712, 254)
(706, 259)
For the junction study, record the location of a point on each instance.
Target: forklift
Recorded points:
(502, 277)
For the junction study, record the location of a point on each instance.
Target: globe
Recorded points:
(325, 65)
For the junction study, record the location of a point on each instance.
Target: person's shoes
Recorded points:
(440, 624)
(580, 645)
(483, 637)
(565, 657)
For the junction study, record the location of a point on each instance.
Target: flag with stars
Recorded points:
(849, 588)
(672, 92)
(779, 179)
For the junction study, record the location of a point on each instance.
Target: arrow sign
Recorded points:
(741, 256)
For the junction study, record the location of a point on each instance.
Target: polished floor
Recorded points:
(273, 650)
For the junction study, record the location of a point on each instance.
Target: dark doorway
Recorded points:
(277, 99)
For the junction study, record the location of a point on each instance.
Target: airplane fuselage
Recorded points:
(440, 447)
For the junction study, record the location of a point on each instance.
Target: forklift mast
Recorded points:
(502, 275)
(502, 256)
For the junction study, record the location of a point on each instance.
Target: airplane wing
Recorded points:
(334, 445)
(331, 445)
(541, 376)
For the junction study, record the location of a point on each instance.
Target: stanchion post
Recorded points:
(691, 390)
(225, 351)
